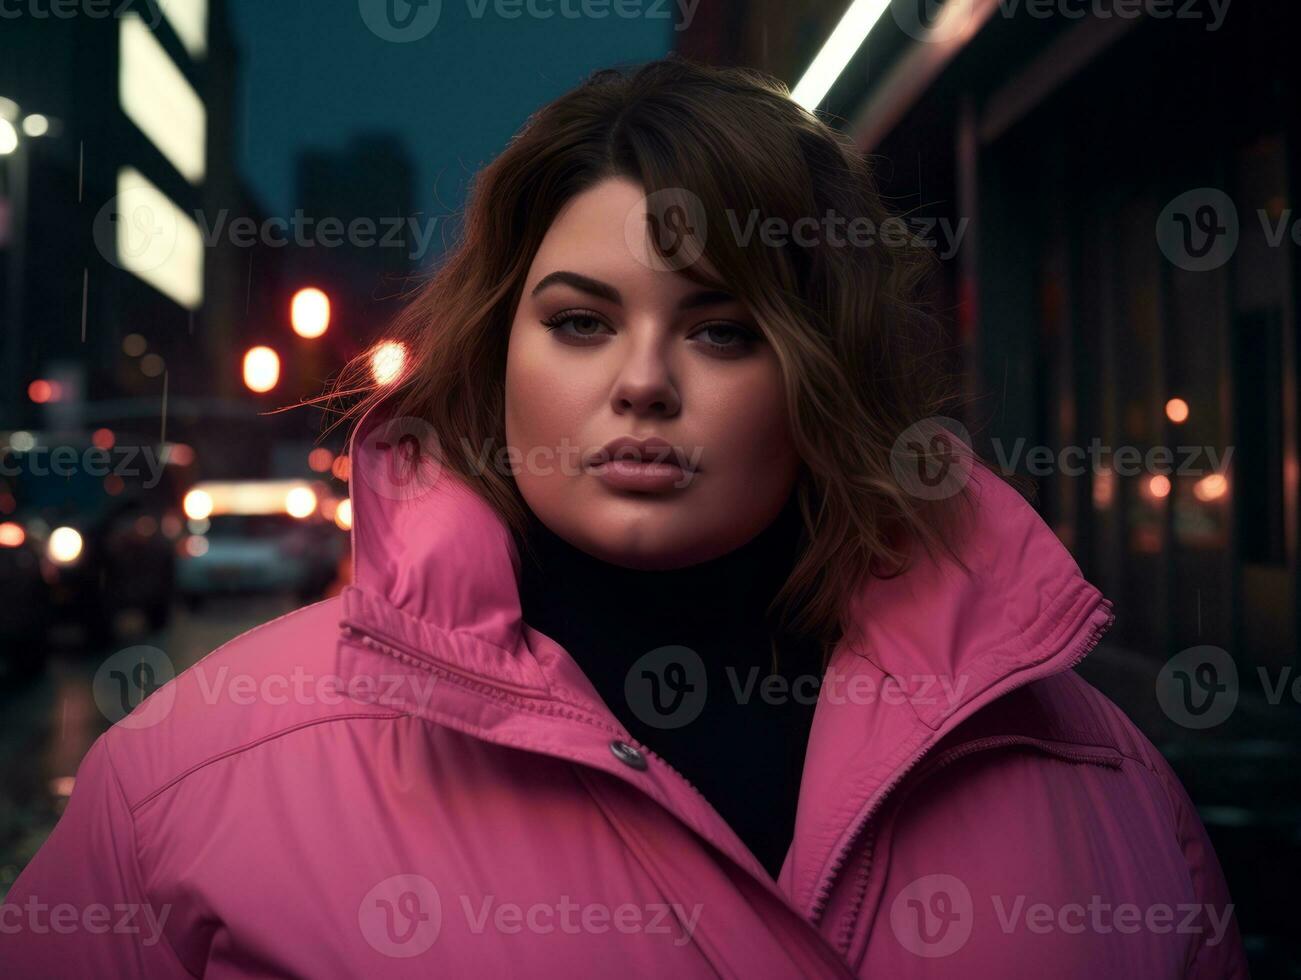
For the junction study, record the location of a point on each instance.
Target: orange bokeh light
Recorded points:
(261, 369)
(309, 313)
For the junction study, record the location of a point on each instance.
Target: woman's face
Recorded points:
(608, 343)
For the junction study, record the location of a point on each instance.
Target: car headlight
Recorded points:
(64, 546)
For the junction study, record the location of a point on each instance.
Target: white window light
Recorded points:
(189, 19)
(157, 98)
(157, 241)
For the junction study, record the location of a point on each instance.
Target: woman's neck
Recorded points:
(699, 701)
(570, 595)
(712, 647)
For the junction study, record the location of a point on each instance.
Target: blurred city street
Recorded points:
(49, 719)
(214, 213)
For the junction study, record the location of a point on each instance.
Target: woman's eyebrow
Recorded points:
(582, 283)
(594, 287)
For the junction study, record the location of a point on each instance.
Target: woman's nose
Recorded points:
(645, 384)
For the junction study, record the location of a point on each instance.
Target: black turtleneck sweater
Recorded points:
(703, 709)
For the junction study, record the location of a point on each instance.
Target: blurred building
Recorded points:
(1080, 151)
(357, 239)
(115, 204)
(1126, 284)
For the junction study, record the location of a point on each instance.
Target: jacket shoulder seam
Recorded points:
(260, 627)
(254, 743)
(111, 770)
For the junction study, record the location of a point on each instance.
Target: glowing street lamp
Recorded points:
(343, 515)
(300, 502)
(64, 546)
(309, 312)
(261, 369)
(8, 137)
(198, 505)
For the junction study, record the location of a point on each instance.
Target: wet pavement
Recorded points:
(49, 716)
(1243, 775)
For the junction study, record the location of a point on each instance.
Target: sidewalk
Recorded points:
(1244, 775)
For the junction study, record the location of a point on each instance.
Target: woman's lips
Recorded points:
(643, 476)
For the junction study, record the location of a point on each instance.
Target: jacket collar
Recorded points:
(436, 580)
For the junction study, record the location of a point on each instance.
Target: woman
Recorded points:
(663, 657)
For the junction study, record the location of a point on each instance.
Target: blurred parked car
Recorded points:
(88, 524)
(257, 536)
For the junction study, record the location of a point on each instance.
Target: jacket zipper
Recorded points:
(409, 655)
(823, 894)
(844, 931)
(406, 654)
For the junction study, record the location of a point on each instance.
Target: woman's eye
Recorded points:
(574, 325)
(728, 338)
(722, 338)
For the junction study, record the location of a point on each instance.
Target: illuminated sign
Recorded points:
(156, 240)
(157, 98)
(189, 19)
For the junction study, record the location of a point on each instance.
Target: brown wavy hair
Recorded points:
(857, 347)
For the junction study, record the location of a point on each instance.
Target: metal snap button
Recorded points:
(628, 754)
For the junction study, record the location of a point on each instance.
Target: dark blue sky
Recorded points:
(314, 73)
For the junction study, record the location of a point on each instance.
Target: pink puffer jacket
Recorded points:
(408, 781)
